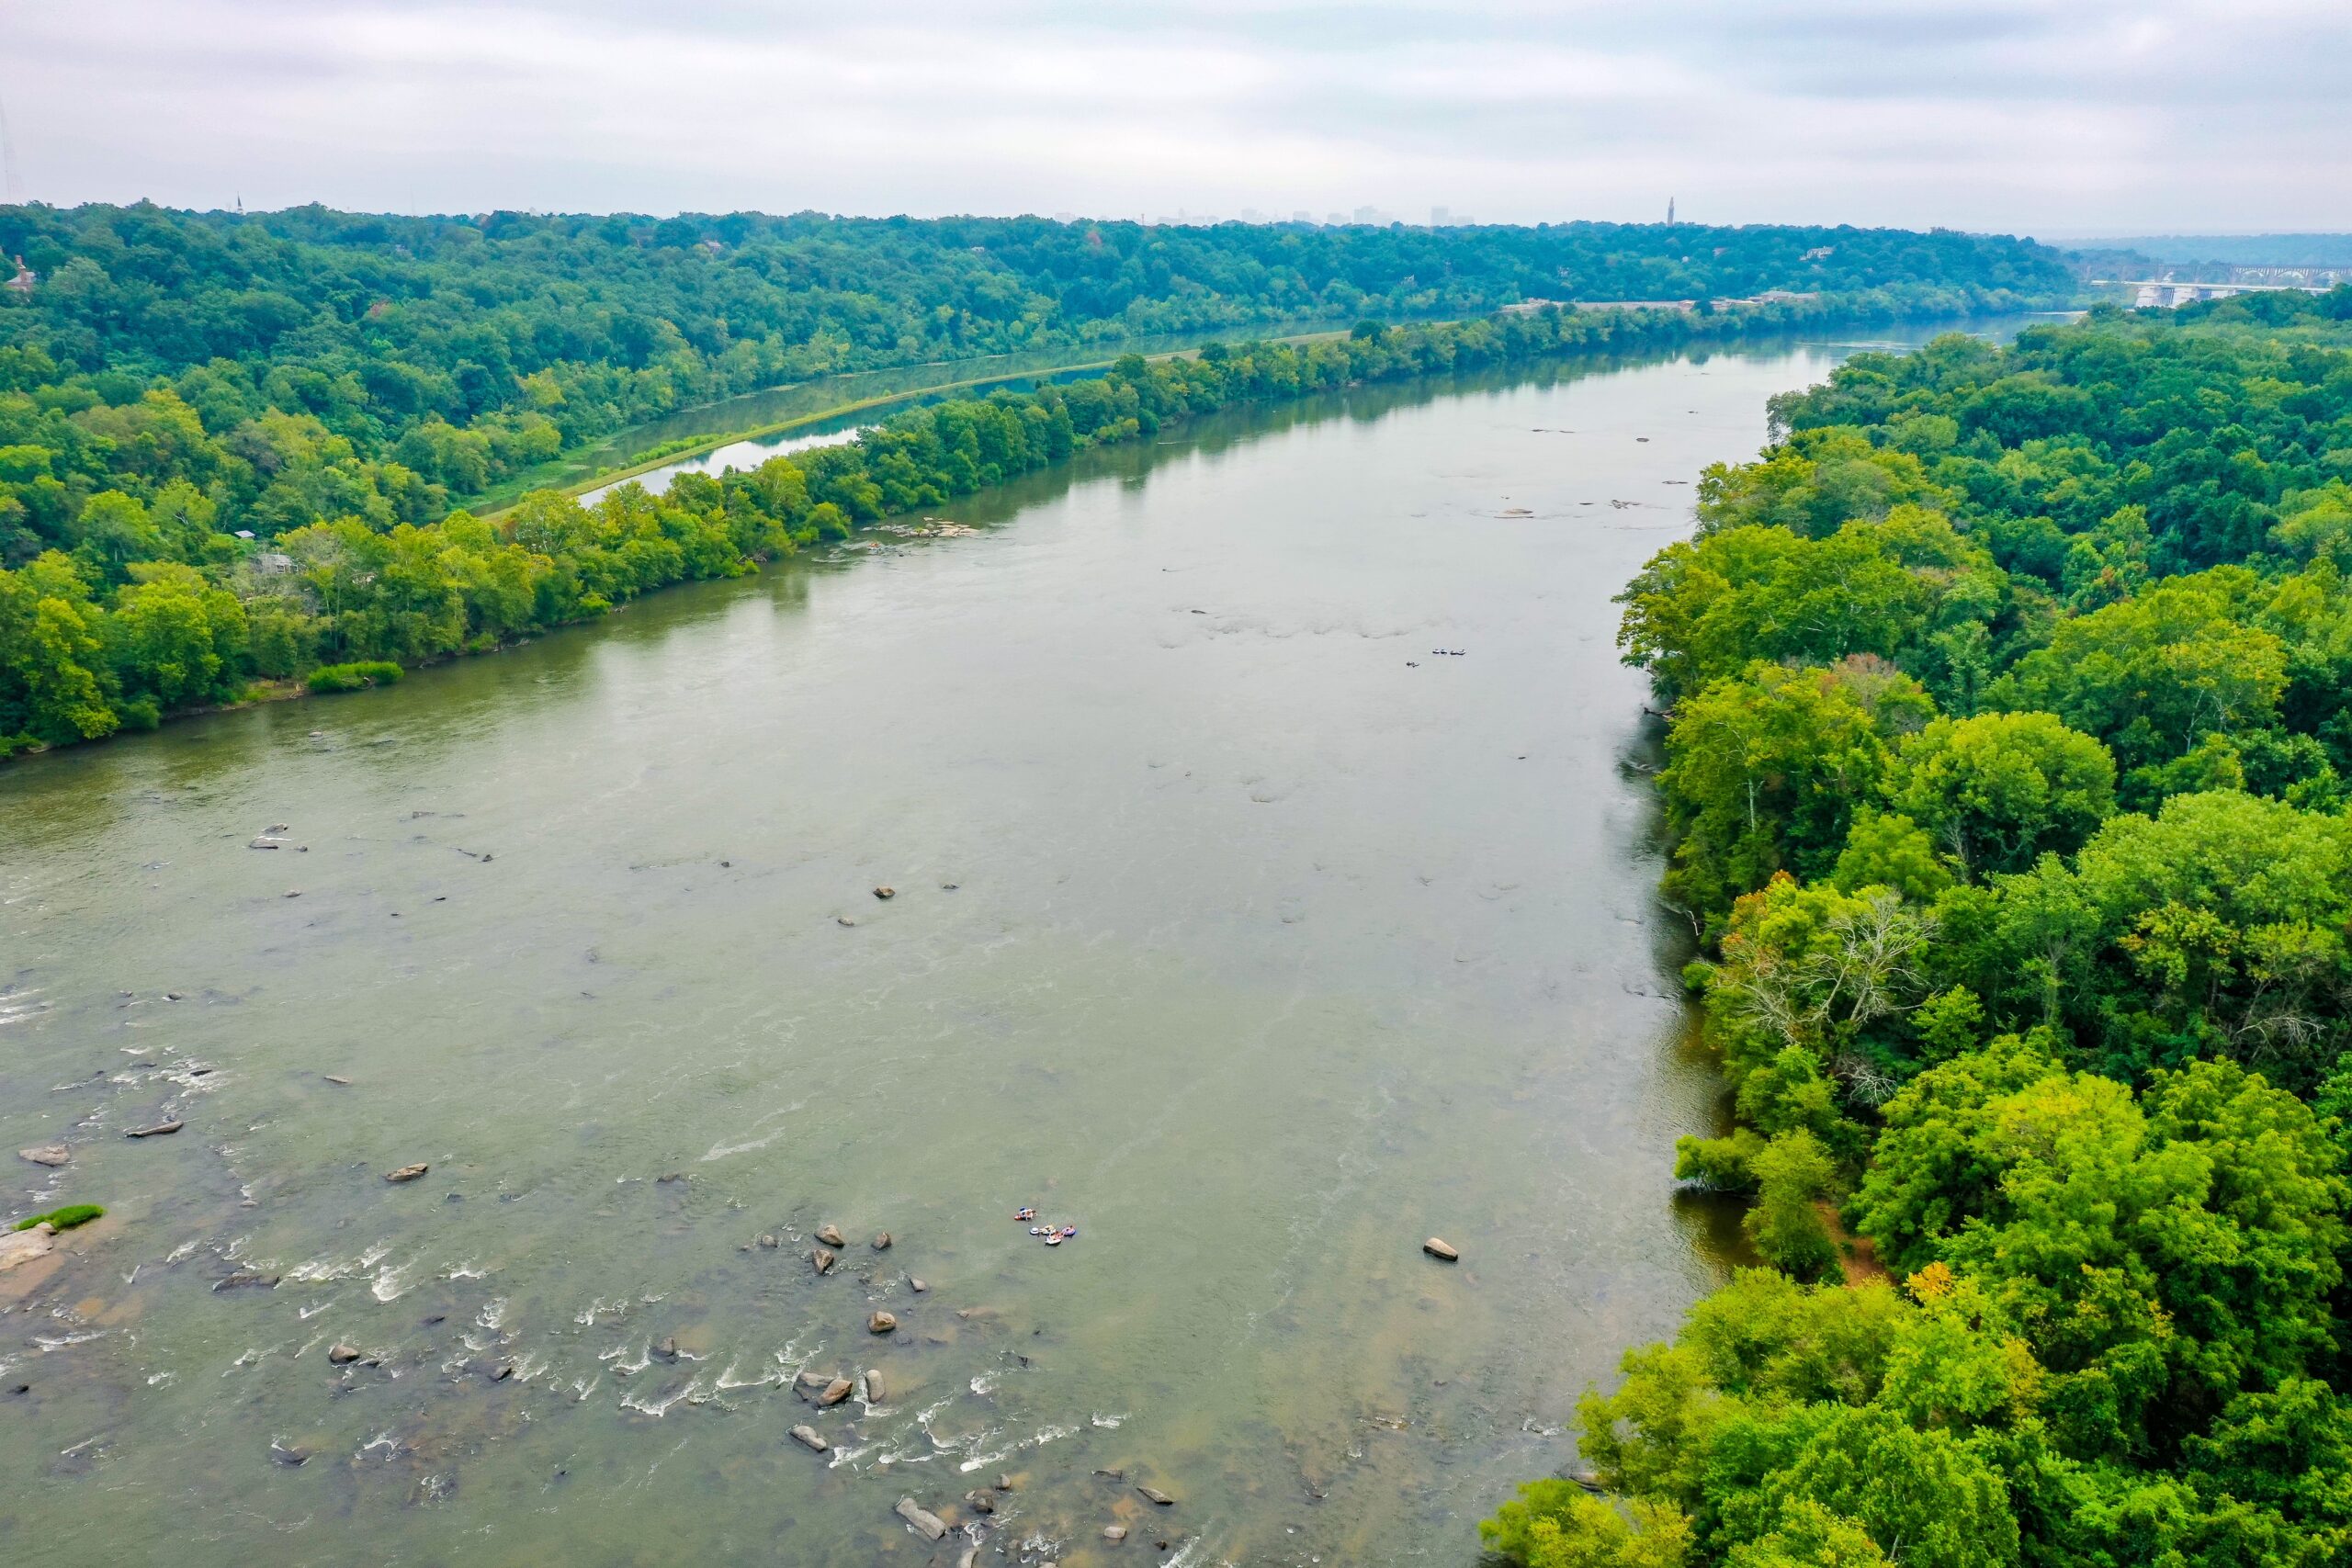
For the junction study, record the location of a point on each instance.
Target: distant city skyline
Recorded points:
(2056, 118)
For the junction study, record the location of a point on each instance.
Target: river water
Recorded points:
(1272, 853)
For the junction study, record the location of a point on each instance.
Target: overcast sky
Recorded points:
(2046, 116)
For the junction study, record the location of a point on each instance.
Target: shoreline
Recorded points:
(284, 690)
(704, 445)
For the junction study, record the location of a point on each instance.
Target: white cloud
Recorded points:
(2033, 115)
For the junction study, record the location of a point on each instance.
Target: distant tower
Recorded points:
(1669, 212)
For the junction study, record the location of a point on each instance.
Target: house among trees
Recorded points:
(24, 279)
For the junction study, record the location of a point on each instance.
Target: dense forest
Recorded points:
(2009, 758)
(229, 446)
(311, 365)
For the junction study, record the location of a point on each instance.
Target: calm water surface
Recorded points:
(1236, 924)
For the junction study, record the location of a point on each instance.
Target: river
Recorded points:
(1269, 830)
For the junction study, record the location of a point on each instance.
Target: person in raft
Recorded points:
(1024, 1213)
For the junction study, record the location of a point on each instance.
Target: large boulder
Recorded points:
(930, 1526)
(20, 1247)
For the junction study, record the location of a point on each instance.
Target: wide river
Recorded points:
(1269, 826)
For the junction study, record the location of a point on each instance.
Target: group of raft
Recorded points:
(1055, 1236)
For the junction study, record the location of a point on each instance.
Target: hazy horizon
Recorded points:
(2026, 116)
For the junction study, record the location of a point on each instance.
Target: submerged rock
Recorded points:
(246, 1280)
(930, 1526)
(768, 1239)
(830, 1236)
(407, 1172)
(1441, 1250)
(980, 1501)
(811, 1382)
(809, 1436)
(1154, 1495)
(46, 1154)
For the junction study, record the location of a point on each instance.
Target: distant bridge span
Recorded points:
(2168, 294)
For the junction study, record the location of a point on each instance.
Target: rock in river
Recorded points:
(46, 1154)
(1441, 1250)
(886, 893)
(1114, 1534)
(406, 1173)
(822, 1260)
(26, 1246)
(1154, 1495)
(343, 1355)
(830, 1236)
(881, 1323)
(882, 1242)
(160, 1130)
(246, 1280)
(808, 1436)
(835, 1392)
(873, 1387)
(928, 1523)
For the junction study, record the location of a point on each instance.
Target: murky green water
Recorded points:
(1235, 925)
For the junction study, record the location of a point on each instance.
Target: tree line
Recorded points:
(143, 601)
(308, 364)
(2008, 760)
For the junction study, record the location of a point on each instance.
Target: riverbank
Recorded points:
(344, 591)
(776, 411)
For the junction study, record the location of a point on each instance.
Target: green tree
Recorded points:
(1999, 791)
(1764, 771)
(2153, 675)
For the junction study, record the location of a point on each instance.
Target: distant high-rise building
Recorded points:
(1302, 216)
(1440, 217)
(1367, 215)
(1669, 209)
(1336, 218)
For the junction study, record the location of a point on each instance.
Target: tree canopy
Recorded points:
(2028, 969)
